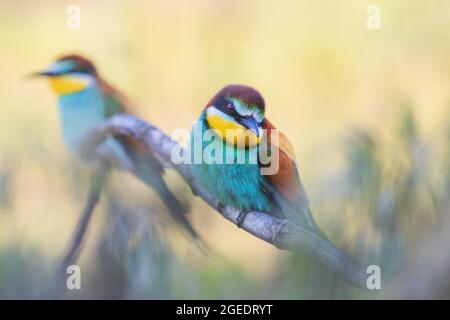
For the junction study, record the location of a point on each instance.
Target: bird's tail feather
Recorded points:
(311, 223)
(149, 170)
(176, 209)
(178, 212)
(299, 213)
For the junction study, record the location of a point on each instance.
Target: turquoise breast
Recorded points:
(239, 185)
(81, 112)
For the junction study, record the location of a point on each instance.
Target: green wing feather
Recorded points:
(115, 102)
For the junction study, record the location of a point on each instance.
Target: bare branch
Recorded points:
(280, 233)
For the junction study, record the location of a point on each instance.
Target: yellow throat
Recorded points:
(66, 84)
(232, 132)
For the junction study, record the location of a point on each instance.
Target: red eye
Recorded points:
(230, 107)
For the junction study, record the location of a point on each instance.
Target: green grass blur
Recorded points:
(366, 110)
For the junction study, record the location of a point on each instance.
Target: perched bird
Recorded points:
(235, 115)
(85, 100)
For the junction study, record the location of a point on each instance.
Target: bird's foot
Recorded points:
(193, 190)
(241, 217)
(220, 206)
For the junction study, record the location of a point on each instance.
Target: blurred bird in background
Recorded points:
(236, 116)
(85, 100)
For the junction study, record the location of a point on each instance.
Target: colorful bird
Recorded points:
(85, 100)
(235, 115)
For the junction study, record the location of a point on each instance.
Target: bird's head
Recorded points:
(70, 74)
(236, 115)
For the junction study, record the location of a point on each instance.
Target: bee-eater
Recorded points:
(85, 100)
(234, 111)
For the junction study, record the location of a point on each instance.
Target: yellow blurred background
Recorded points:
(320, 69)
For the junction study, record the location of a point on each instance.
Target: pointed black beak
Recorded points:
(250, 123)
(41, 74)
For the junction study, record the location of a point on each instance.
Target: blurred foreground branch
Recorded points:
(96, 186)
(280, 233)
(71, 253)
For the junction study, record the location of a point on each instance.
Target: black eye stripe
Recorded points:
(79, 69)
(222, 104)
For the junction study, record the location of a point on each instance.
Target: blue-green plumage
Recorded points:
(85, 100)
(238, 185)
(244, 185)
(80, 112)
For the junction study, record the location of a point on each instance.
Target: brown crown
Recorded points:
(81, 64)
(248, 95)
